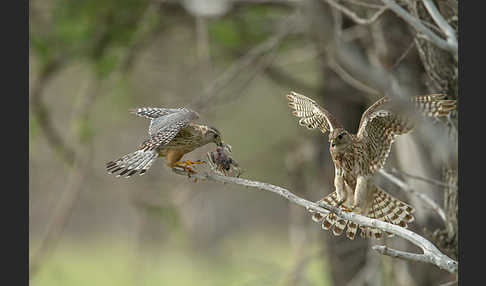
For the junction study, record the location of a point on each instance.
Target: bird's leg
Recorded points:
(173, 157)
(362, 194)
(340, 189)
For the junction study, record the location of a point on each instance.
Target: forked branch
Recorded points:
(431, 254)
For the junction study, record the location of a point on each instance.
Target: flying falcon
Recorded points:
(172, 134)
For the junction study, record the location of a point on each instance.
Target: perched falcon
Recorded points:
(172, 133)
(357, 157)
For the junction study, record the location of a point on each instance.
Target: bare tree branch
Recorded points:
(448, 45)
(41, 112)
(383, 249)
(61, 214)
(450, 283)
(441, 22)
(79, 169)
(363, 4)
(431, 254)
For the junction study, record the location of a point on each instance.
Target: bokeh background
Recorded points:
(233, 62)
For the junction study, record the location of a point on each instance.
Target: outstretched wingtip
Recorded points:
(292, 94)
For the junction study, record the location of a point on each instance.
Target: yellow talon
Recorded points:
(346, 209)
(353, 209)
(189, 162)
(185, 168)
(185, 165)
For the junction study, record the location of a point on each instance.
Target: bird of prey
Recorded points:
(357, 157)
(172, 134)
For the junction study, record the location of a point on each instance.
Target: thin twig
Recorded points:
(257, 68)
(228, 75)
(351, 14)
(428, 180)
(402, 57)
(431, 254)
(410, 190)
(363, 4)
(350, 79)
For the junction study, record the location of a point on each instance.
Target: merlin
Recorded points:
(172, 134)
(357, 157)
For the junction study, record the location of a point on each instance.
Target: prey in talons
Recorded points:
(222, 163)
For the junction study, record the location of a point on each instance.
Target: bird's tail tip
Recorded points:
(384, 207)
(130, 164)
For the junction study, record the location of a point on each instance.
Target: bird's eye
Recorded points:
(340, 136)
(216, 135)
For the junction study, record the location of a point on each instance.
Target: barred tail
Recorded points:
(434, 105)
(384, 207)
(332, 222)
(132, 163)
(388, 209)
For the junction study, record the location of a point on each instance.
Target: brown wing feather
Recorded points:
(434, 105)
(378, 133)
(382, 122)
(311, 114)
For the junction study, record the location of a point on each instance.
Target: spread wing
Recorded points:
(154, 112)
(434, 105)
(165, 125)
(163, 129)
(378, 128)
(311, 114)
(384, 120)
(162, 117)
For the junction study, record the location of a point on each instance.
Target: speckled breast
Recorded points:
(187, 139)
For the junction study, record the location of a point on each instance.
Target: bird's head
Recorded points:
(339, 139)
(213, 135)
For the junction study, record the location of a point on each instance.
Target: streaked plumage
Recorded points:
(172, 133)
(357, 157)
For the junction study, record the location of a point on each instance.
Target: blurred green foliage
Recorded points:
(99, 35)
(33, 130)
(238, 261)
(89, 29)
(246, 27)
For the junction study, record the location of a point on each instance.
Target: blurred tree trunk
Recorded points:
(345, 256)
(440, 73)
